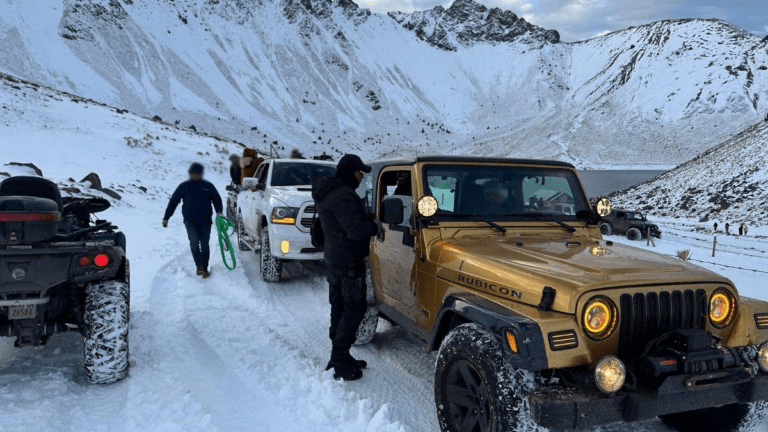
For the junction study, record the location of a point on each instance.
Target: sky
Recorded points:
(584, 19)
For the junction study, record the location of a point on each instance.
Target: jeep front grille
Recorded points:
(645, 317)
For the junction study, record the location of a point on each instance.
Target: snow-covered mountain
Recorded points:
(728, 183)
(322, 75)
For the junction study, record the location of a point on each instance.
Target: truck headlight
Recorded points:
(762, 357)
(722, 308)
(284, 215)
(610, 374)
(599, 317)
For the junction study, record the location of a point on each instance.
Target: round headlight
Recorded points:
(722, 308)
(762, 357)
(610, 374)
(427, 206)
(603, 207)
(599, 318)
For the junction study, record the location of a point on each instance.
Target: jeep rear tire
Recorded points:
(605, 228)
(106, 317)
(634, 234)
(271, 267)
(729, 418)
(368, 326)
(475, 389)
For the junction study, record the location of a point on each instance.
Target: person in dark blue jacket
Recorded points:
(198, 196)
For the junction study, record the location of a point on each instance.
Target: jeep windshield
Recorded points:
(299, 173)
(506, 192)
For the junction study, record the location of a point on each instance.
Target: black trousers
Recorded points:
(347, 295)
(199, 241)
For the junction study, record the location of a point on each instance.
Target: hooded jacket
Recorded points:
(198, 197)
(345, 221)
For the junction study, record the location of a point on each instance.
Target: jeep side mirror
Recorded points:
(392, 211)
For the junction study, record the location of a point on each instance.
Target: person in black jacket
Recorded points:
(235, 172)
(348, 230)
(198, 195)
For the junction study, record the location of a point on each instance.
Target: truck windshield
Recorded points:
(506, 192)
(299, 174)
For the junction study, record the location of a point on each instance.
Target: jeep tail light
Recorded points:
(101, 260)
(84, 261)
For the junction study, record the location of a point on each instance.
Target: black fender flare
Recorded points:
(469, 307)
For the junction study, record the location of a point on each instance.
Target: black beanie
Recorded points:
(196, 168)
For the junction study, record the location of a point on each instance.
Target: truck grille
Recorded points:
(309, 213)
(645, 317)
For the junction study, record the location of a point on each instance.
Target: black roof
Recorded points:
(477, 159)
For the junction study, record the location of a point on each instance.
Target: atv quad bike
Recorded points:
(63, 270)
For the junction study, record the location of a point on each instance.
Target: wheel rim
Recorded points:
(467, 399)
(603, 229)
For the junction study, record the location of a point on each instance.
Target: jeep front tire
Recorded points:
(605, 228)
(105, 346)
(634, 234)
(475, 390)
(271, 267)
(729, 418)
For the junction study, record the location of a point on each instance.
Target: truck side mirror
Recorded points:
(250, 183)
(392, 211)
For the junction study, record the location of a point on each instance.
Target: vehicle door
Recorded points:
(252, 199)
(261, 198)
(621, 221)
(393, 257)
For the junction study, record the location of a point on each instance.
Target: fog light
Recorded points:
(285, 246)
(762, 357)
(610, 374)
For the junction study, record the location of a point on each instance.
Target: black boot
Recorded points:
(342, 367)
(199, 270)
(355, 363)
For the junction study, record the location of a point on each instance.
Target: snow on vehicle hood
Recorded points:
(518, 267)
(291, 196)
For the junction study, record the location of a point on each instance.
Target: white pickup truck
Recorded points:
(274, 212)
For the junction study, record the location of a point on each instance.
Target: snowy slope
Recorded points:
(727, 183)
(331, 76)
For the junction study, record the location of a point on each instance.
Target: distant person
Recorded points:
(741, 230)
(325, 157)
(727, 228)
(746, 229)
(348, 230)
(198, 196)
(715, 226)
(296, 154)
(235, 172)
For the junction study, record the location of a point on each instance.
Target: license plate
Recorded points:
(22, 312)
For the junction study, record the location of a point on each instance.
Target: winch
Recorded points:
(688, 351)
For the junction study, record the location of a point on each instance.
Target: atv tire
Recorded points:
(271, 267)
(605, 228)
(729, 418)
(634, 234)
(106, 317)
(475, 389)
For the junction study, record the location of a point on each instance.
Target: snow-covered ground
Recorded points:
(231, 352)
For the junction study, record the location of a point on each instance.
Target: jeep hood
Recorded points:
(518, 267)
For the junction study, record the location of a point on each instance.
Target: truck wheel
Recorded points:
(367, 328)
(106, 317)
(729, 418)
(271, 267)
(634, 234)
(605, 228)
(241, 234)
(475, 390)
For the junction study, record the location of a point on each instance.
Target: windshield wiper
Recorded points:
(477, 217)
(540, 217)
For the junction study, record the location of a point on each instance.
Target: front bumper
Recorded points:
(559, 408)
(300, 243)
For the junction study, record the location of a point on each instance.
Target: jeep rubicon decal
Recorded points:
(472, 281)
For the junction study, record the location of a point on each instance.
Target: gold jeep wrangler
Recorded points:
(499, 264)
